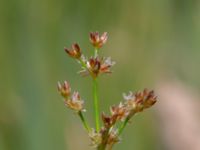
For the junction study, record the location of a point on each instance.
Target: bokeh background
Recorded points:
(154, 42)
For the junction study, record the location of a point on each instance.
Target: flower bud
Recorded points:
(74, 52)
(65, 89)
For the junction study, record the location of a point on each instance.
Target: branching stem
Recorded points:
(123, 125)
(85, 124)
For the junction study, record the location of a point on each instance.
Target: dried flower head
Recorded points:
(65, 89)
(74, 52)
(98, 40)
(75, 102)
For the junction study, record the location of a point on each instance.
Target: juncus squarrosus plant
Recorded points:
(102, 138)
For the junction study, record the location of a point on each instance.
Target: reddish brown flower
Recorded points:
(74, 52)
(107, 120)
(117, 113)
(65, 89)
(98, 40)
(96, 66)
(106, 64)
(149, 98)
(75, 102)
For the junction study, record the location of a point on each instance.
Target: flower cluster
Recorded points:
(95, 65)
(73, 101)
(139, 101)
(105, 137)
(132, 104)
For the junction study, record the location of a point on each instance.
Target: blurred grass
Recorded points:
(148, 39)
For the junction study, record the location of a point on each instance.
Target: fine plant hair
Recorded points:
(102, 138)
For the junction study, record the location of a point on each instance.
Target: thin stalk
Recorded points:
(85, 124)
(123, 126)
(83, 63)
(96, 104)
(95, 52)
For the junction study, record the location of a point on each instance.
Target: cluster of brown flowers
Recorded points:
(134, 103)
(95, 65)
(73, 101)
(105, 137)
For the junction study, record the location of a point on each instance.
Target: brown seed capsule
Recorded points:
(74, 52)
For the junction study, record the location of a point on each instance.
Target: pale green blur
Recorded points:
(149, 40)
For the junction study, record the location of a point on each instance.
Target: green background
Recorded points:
(149, 40)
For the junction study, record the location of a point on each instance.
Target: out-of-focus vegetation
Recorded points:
(149, 40)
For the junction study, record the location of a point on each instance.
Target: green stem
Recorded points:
(83, 63)
(123, 126)
(83, 121)
(96, 103)
(95, 52)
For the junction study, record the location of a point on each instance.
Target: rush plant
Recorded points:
(102, 138)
